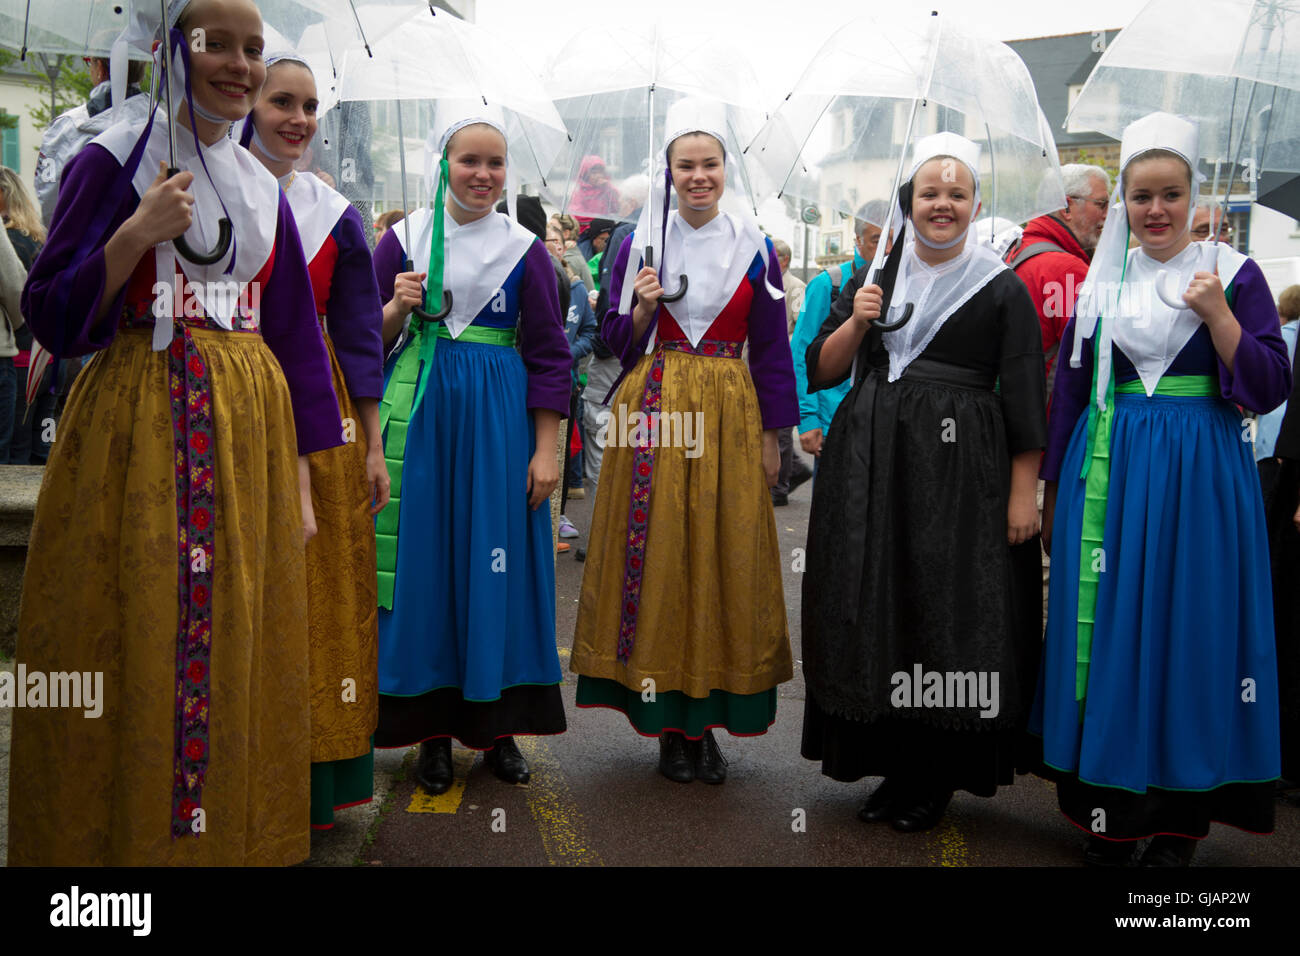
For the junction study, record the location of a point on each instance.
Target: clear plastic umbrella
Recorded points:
(1232, 66)
(423, 55)
(613, 84)
(842, 135)
(69, 27)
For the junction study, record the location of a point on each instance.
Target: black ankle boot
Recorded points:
(1108, 853)
(1169, 851)
(507, 762)
(883, 803)
(923, 812)
(433, 769)
(675, 758)
(710, 765)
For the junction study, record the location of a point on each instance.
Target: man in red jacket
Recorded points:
(1052, 256)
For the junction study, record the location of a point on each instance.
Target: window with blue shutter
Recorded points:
(9, 151)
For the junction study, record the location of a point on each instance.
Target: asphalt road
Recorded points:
(596, 797)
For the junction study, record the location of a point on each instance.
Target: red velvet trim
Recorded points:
(321, 270)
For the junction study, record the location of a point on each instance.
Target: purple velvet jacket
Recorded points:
(354, 312)
(542, 342)
(770, 362)
(1260, 379)
(288, 320)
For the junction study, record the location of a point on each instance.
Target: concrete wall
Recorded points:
(18, 99)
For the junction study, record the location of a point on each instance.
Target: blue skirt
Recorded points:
(473, 618)
(1182, 687)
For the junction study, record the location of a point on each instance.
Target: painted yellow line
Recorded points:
(559, 821)
(947, 845)
(424, 802)
(564, 652)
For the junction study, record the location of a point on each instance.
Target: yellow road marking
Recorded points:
(559, 822)
(424, 802)
(947, 845)
(564, 652)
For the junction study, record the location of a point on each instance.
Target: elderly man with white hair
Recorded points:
(1206, 210)
(1053, 254)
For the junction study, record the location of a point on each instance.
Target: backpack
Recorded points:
(1019, 253)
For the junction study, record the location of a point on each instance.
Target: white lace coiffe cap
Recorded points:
(286, 56)
(1159, 131)
(947, 144)
(693, 114)
(965, 152)
(452, 115)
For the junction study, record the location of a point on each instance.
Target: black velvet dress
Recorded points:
(909, 571)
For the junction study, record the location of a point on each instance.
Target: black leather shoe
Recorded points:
(710, 765)
(675, 758)
(883, 803)
(507, 762)
(433, 767)
(1169, 851)
(779, 501)
(924, 812)
(1108, 853)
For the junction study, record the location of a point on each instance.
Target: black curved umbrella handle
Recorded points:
(438, 316)
(430, 316)
(683, 282)
(204, 258)
(902, 319)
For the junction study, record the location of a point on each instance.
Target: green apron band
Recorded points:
(1175, 386)
(482, 334)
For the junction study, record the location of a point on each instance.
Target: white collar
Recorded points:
(935, 293)
(1151, 333)
(251, 196)
(715, 258)
(316, 210)
(478, 258)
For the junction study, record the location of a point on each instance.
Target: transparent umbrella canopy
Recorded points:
(71, 27)
(424, 57)
(613, 85)
(1233, 66)
(844, 132)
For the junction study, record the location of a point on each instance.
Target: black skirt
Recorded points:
(909, 569)
(910, 580)
(524, 710)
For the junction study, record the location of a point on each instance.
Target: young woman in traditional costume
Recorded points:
(167, 548)
(1158, 703)
(471, 412)
(350, 483)
(922, 605)
(681, 624)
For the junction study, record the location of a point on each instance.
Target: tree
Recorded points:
(7, 121)
(66, 81)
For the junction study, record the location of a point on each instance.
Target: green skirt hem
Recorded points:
(742, 715)
(336, 784)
